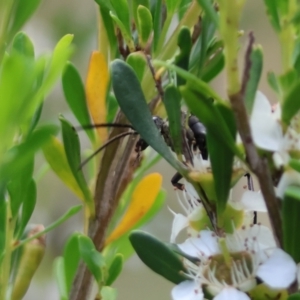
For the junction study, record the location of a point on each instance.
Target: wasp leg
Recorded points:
(175, 181)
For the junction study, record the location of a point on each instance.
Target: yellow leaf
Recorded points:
(96, 90)
(56, 157)
(143, 198)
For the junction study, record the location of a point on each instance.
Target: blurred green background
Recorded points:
(52, 20)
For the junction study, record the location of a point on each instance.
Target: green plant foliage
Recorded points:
(75, 95)
(138, 63)
(72, 150)
(256, 59)
(132, 102)
(291, 211)
(172, 99)
(157, 256)
(115, 269)
(145, 25)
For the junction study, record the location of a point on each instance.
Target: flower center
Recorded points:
(232, 272)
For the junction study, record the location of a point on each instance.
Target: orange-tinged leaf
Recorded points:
(96, 90)
(56, 157)
(143, 197)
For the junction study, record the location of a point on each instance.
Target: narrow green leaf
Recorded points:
(222, 161)
(213, 67)
(28, 206)
(122, 11)
(71, 259)
(157, 23)
(130, 97)
(295, 164)
(72, 150)
(157, 256)
(23, 44)
(291, 103)
(273, 82)
(134, 9)
(126, 35)
(206, 111)
(172, 6)
(112, 108)
(272, 12)
(185, 45)
(59, 271)
(291, 221)
(4, 206)
(115, 269)
(256, 59)
(23, 11)
(18, 157)
(138, 63)
(183, 6)
(145, 25)
(202, 87)
(207, 6)
(75, 95)
(93, 259)
(172, 103)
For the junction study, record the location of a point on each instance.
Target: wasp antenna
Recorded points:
(123, 134)
(92, 126)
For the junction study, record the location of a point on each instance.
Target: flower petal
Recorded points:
(278, 271)
(230, 293)
(206, 244)
(179, 222)
(187, 290)
(266, 130)
(288, 178)
(253, 201)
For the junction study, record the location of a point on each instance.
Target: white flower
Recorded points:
(268, 133)
(195, 217)
(228, 267)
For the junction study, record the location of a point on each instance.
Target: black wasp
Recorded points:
(194, 139)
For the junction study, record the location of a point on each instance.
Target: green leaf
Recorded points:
(213, 67)
(122, 11)
(256, 59)
(272, 12)
(291, 221)
(115, 269)
(222, 161)
(130, 97)
(72, 150)
(157, 23)
(172, 6)
(138, 63)
(157, 256)
(172, 103)
(112, 108)
(126, 35)
(145, 25)
(23, 44)
(209, 10)
(295, 164)
(294, 297)
(71, 259)
(75, 95)
(93, 259)
(24, 9)
(273, 82)
(291, 103)
(134, 8)
(108, 293)
(59, 271)
(4, 208)
(202, 87)
(185, 45)
(17, 158)
(18, 187)
(207, 113)
(28, 206)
